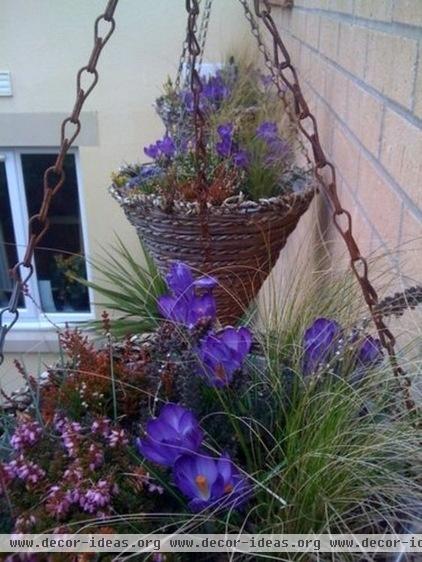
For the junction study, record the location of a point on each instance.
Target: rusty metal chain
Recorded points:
(275, 76)
(194, 49)
(308, 127)
(203, 30)
(182, 62)
(202, 38)
(54, 176)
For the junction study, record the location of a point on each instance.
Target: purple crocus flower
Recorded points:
(188, 312)
(215, 90)
(152, 151)
(241, 159)
(223, 353)
(209, 482)
(370, 353)
(225, 146)
(237, 488)
(319, 342)
(278, 149)
(267, 130)
(225, 130)
(191, 300)
(180, 279)
(174, 432)
(167, 147)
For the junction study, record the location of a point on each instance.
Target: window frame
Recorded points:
(31, 317)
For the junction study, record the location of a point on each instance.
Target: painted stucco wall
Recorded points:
(44, 42)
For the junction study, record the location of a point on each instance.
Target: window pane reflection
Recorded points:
(8, 253)
(61, 254)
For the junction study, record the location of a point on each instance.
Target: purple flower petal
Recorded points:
(208, 482)
(319, 343)
(152, 151)
(206, 283)
(222, 354)
(180, 279)
(370, 353)
(175, 432)
(241, 159)
(267, 130)
(167, 147)
(186, 307)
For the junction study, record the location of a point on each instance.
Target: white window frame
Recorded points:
(30, 317)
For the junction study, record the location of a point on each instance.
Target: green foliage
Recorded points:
(128, 288)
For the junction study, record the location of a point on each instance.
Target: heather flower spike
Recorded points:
(174, 432)
(223, 353)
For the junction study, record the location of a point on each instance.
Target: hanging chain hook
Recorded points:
(287, 73)
(54, 177)
(194, 49)
(183, 66)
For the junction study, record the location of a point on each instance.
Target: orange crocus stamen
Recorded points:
(220, 372)
(202, 483)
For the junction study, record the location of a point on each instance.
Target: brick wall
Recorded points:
(360, 63)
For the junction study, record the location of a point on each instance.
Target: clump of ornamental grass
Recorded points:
(296, 427)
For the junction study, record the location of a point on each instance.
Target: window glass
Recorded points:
(8, 252)
(61, 255)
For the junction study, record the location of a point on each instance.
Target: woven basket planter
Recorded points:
(240, 244)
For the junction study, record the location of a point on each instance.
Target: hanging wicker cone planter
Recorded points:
(241, 246)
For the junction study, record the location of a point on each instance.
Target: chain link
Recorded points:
(184, 63)
(326, 176)
(275, 77)
(203, 30)
(54, 176)
(194, 49)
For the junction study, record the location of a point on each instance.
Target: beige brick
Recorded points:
(294, 47)
(305, 62)
(312, 30)
(344, 6)
(410, 250)
(293, 22)
(346, 156)
(374, 9)
(321, 4)
(380, 202)
(390, 65)
(401, 154)
(352, 48)
(317, 75)
(325, 120)
(336, 87)
(328, 37)
(418, 90)
(408, 11)
(364, 116)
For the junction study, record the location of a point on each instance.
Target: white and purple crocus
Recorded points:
(174, 440)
